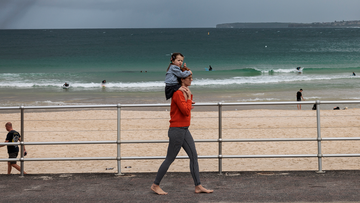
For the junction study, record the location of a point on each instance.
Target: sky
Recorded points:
(60, 14)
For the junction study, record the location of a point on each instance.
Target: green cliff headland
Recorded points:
(335, 24)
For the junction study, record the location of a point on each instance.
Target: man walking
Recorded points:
(13, 150)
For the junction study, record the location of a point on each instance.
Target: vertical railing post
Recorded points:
(118, 157)
(220, 138)
(22, 141)
(319, 137)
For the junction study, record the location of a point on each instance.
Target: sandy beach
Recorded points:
(101, 125)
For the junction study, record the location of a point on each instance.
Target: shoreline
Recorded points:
(101, 125)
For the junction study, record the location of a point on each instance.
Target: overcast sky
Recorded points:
(40, 14)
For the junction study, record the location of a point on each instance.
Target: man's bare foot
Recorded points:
(157, 189)
(201, 189)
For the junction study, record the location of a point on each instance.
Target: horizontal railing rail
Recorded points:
(220, 140)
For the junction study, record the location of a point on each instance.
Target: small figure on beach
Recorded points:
(13, 150)
(299, 97)
(173, 72)
(180, 137)
(354, 74)
(210, 68)
(103, 83)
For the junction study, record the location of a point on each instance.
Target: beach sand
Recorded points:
(101, 125)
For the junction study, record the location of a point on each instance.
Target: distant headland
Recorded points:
(335, 24)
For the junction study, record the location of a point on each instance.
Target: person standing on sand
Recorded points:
(13, 150)
(179, 136)
(298, 98)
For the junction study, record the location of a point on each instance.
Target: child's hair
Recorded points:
(173, 57)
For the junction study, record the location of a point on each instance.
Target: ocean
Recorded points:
(248, 65)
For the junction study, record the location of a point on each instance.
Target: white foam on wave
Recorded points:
(278, 70)
(263, 79)
(9, 75)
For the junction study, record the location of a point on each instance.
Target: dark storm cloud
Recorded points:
(168, 13)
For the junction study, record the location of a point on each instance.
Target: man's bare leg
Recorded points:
(9, 168)
(157, 189)
(201, 189)
(17, 168)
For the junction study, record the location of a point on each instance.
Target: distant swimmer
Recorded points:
(66, 85)
(103, 83)
(210, 68)
(354, 74)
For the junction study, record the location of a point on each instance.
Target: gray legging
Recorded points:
(180, 137)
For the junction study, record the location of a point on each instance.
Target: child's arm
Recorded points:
(178, 73)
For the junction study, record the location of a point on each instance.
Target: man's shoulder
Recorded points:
(13, 132)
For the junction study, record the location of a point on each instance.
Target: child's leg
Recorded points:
(169, 90)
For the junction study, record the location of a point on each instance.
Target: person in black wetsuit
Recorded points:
(299, 97)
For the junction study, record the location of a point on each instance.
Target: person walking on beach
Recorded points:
(173, 72)
(180, 136)
(13, 150)
(298, 98)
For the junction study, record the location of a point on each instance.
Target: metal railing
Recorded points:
(220, 140)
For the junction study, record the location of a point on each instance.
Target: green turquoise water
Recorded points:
(248, 64)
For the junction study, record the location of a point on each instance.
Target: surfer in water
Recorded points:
(66, 84)
(354, 74)
(210, 68)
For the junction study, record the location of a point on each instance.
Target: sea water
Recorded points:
(248, 64)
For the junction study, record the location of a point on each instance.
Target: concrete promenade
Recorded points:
(294, 186)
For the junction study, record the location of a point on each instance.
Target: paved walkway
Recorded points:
(304, 186)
